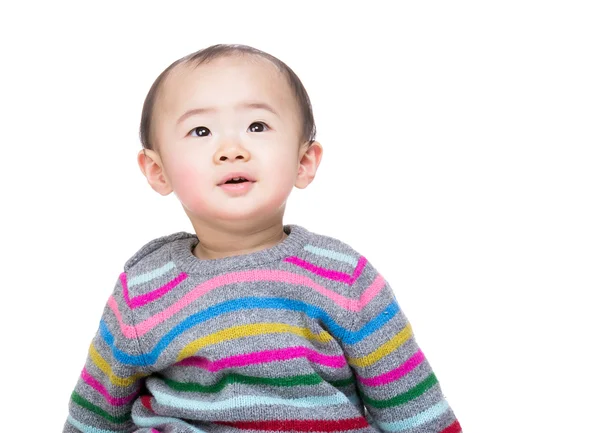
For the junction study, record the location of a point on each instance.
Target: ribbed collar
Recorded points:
(181, 253)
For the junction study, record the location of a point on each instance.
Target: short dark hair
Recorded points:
(205, 55)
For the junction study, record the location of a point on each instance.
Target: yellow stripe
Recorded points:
(248, 330)
(399, 339)
(105, 368)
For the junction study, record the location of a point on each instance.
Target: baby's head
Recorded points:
(205, 56)
(224, 112)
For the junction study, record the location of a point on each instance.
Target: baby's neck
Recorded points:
(216, 245)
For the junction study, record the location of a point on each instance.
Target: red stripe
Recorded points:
(453, 428)
(146, 402)
(300, 425)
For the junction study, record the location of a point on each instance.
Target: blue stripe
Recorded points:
(417, 420)
(157, 421)
(345, 335)
(248, 400)
(332, 255)
(87, 428)
(149, 276)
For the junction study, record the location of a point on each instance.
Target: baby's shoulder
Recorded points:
(330, 252)
(154, 253)
(336, 255)
(331, 243)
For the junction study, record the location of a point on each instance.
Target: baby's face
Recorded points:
(232, 117)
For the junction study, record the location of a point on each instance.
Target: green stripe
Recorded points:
(411, 394)
(93, 408)
(342, 382)
(306, 379)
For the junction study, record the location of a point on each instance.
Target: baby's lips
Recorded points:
(233, 175)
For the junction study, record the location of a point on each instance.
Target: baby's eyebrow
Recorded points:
(242, 106)
(259, 106)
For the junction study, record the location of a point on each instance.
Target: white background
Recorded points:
(461, 158)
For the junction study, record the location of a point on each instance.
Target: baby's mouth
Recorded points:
(237, 180)
(237, 186)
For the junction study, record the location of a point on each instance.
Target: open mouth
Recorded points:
(237, 180)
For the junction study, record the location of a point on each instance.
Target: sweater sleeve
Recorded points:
(109, 383)
(394, 379)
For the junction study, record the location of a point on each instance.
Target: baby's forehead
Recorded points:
(247, 67)
(224, 84)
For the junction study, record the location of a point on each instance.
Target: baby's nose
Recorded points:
(231, 152)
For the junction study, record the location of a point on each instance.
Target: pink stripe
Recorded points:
(115, 401)
(370, 293)
(327, 273)
(395, 374)
(128, 331)
(241, 277)
(264, 357)
(146, 298)
(362, 262)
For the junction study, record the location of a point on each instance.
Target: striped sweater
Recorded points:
(303, 336)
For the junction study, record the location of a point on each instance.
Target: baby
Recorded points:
(247, 324)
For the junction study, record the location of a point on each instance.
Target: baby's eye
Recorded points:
(200, 131)
(258, 127)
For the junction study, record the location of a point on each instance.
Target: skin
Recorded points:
(194, 153)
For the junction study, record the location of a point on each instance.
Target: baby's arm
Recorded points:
(108, 385)
(394, 379)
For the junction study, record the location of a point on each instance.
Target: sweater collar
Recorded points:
(181, 253)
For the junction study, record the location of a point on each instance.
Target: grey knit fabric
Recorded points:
(302, 336)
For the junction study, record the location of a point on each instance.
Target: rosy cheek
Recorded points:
(186, 176)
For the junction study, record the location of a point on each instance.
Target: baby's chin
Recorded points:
(244, 213)
(253, 209)
(247, 215)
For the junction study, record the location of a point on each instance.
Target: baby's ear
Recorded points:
(309, 160)
(151, 167)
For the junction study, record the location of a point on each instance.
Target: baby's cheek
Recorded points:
(188, 181)
(184, 170)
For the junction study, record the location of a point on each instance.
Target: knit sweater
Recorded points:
(302, 336)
